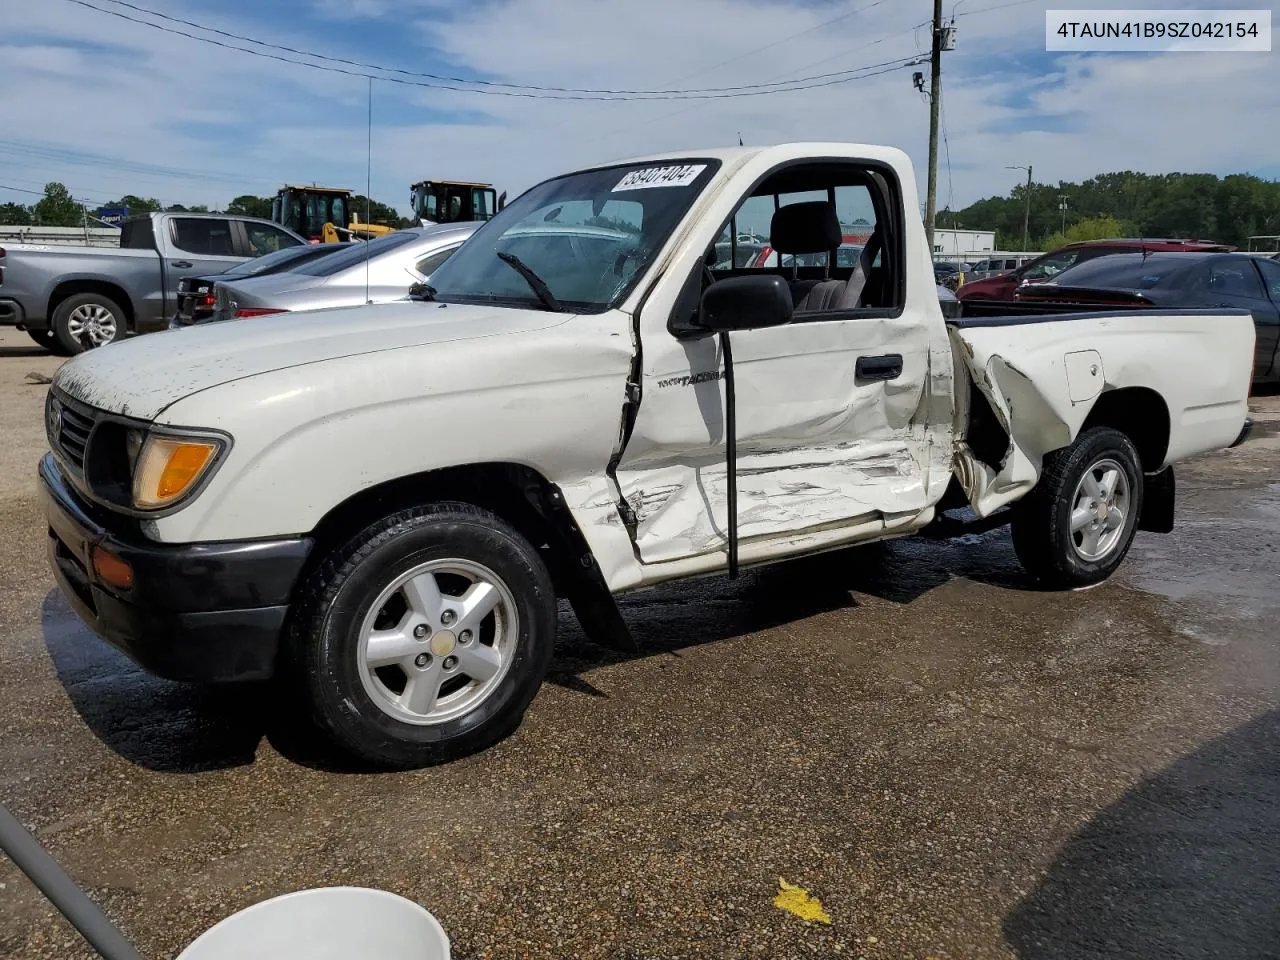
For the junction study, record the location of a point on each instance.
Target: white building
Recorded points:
(962, 243)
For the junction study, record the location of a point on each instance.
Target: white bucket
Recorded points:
(329, 923)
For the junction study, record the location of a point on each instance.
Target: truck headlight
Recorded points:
(167, 468)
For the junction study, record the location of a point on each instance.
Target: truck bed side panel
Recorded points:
(1042, 376)
(33, 272)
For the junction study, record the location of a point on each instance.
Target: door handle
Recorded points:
(886, 367)
(183, 264)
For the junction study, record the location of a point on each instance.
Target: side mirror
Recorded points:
(745, 303)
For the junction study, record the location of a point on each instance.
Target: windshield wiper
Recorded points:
(536, 283)
(422, 292)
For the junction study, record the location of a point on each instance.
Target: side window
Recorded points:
(845, 204)
(137, 235)
(203, 236)
(264, 238)
(750, 225)
(431, 263)
(1271, 277)
(1236, 278)
(753, 219)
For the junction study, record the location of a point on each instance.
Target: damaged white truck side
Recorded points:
(380, 505)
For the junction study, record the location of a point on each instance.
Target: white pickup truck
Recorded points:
(381, 504)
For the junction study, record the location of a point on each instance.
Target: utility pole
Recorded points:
(1026, 219)
(1062, 205)
(935, 94)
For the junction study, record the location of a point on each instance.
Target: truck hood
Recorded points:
(142, 376)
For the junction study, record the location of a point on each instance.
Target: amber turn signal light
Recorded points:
(112, 570)
(169, 467)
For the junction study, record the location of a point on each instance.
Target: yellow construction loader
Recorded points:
(322, 214)
(454, 201)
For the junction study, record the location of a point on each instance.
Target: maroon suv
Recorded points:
(1049, 265)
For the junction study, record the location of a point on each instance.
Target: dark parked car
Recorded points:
(1209, 280)
(949, 268)
(1048, 266)
(195, 294)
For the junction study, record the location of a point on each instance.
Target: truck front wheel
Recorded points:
(87, 320)
(1076, 526)
(425, 637)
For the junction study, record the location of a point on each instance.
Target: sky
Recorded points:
(110, 107)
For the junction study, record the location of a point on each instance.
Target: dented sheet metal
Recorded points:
(818, 447)
(1043, 378)
(681, 510)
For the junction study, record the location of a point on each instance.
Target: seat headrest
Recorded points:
(810, 227)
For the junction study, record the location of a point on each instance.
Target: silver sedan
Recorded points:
(377, 272)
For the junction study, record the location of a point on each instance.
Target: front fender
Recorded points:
(308, 438)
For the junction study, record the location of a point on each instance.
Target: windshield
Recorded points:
(588, 236)
(1127, 271)
(1050, 266)
(356, 253)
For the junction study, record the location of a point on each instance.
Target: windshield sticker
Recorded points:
(680, 176)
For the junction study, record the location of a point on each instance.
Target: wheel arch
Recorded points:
(522, 497)
(1142, 415)
(112, 291)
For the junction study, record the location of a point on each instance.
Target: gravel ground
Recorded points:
(955, 764)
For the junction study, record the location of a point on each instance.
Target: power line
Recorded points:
(998, 6)
(40, 193)
(896, 65)
(492, 83)
(61, 155)
(786, 39)
(946, 145)
(485, 87)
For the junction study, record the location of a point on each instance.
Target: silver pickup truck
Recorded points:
(71, 299)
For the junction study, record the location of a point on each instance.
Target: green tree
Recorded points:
(14, 215)
(1090, 228)
(612, 223)
(57, 208)
(1198, 205)
(137, 204)
(378, 213)
(248, 205)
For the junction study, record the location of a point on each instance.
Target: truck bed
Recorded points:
(1005, 313)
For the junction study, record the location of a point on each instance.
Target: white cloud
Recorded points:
(77, 79)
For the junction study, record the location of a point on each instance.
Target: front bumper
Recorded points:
(204, 612)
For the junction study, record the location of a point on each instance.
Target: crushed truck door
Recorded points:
(832, 409)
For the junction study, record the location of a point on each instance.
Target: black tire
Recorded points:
(324, 661)
(1042, 535)
(72, 344)
(48, 340)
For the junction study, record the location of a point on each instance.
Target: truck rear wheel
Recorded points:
(1075, 528)
(87, 320)
(425, 637)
